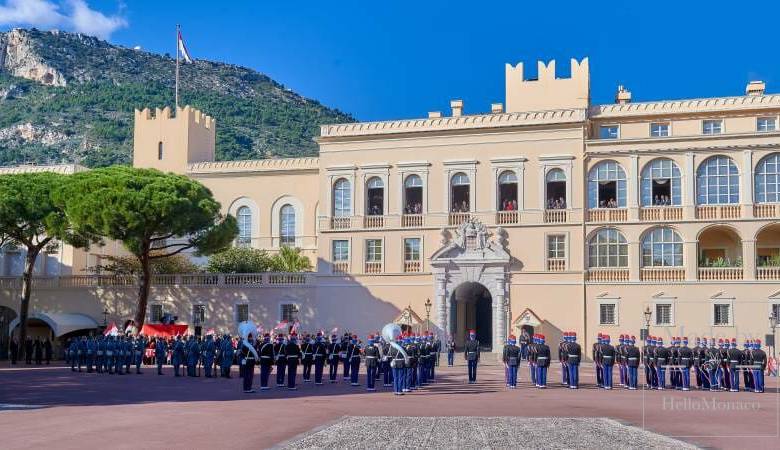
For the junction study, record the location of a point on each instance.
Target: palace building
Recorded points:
(546, 214)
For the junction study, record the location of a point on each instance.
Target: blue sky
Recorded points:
(399, 59)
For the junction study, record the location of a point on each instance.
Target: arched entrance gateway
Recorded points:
(470, 273)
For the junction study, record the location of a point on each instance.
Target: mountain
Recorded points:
(68, 97)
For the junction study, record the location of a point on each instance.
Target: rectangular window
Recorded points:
(659, 129)
(556, 246)
(155, 313)
(609, 132)
(198, 314)
(373, 250)
(290, 312)
(607, 314)
(764, 124)
(776, 311)
(341, 251)
(242, 312)
(721, 314)
(712, 127)
(663, 314)
(412, 249)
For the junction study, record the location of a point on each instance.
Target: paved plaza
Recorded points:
(45, 406)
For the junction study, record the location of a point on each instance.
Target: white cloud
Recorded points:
(75, 15)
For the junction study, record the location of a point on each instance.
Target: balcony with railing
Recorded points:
(373, 267)
(412, 266)
(718, 212)
(341, 267)
(608, 215)
(206, 280)
(720, 273)
(412, 220)
(507, 217)
(341, 223)
(766, 210)
(457, 218)
(373, 221)
(555, 216)
(662, 274)
(768, 273)
(556, 264)
(660, 213)
(607, 274)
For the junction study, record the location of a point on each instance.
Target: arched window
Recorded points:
(717, 181)
(608, 248)
(662, 247)
(661, 183)
(160, 151)
(459, 190)
(413, 195)
(244, 218)
(287, 225)
(555, 184)
(342, 198)
(375, 196)
(768, 179)
(607, 186)
(507, 191)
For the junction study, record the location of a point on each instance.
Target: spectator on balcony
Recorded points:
(413, 209)
(375, 211)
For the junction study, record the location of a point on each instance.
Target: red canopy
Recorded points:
(164, 330)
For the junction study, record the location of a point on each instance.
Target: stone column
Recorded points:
(689, 187)
(746, 194)
(441, 304)
(691, 260)
(749, 259)
(633, 188)
(499, 314)
(634, 260)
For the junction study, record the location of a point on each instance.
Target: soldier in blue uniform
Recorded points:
(398, 366)
(193, 355)
(532, 358)
(747, 373)
(371, 353)
(758, 360)
(307, 357)
(686, 359)
(595, 357)
(632, 356)
(573, 358)
(450, 352)
(160, 352)
(177, 358)
(735, 360)
(511, 358)
(471, 353)
(209, 351)
(81, 352)
(266, 355)
(227, 353)
(91, 349)
(72, 352)
(248, 357)
(100, 354)
(343, 355)
(562, 358)
(422, 364)
(661, 361)
(607, 357)
(140, 347)
(542, 362)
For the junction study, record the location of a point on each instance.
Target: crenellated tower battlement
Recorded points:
(547, 91)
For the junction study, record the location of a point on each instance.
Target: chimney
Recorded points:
(457, 107)
(434, 114)
(623, 95)
(497, 108)
(755, 88)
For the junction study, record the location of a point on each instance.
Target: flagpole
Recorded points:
(178, 32)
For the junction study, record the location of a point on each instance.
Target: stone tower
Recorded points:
(168, 142)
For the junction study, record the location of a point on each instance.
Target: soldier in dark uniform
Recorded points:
(307, 357)
(28, 350)
(293, 355)
(47, 351)
(160, 352)
(573, 358)
(140, 347)
(450, 352)
(248, 357)
(266, 356)
(607, 361)
(661, 361)
(619, 360)
(672, 362)
(178, 355)
(343, 356)
(725, 375)
(372, 362)
(437, 351)
(14, 350)
(209, 352)
(646, 358)
(511, 359)
(100, 354)
(596, 360)
(472, 353)
(562, 359)
(413, 350)
(758, 361)
(422, 366)
(697, 363)
(319, 354)
(542, 362)
(524, 345)
(408, 365)
(334, 349)
(353, 354)
(713, 356)
(280, 360)
(38, 349)
(686, 359)
(735, 360)
(632, 357)
(747, 359)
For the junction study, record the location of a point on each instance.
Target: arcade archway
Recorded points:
(471, 308)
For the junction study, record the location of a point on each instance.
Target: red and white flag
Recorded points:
(210, 332)
(185, 54)
(295, 326)
(282, 325)
(111, 330)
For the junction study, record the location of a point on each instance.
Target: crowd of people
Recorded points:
(556, 203)
(662, 200)
(38, 350)
(413, 208)
(460, 207)
(611, 203)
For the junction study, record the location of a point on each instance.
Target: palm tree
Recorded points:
(289, 259)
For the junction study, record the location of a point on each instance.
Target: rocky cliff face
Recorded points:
(67, 97)
(18, 57)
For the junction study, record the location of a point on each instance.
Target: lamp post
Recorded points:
(773, 325)
(428, 305)
(646, 330)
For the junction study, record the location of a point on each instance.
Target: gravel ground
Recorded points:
(480, 432)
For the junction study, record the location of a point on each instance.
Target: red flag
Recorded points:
(281, 325)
